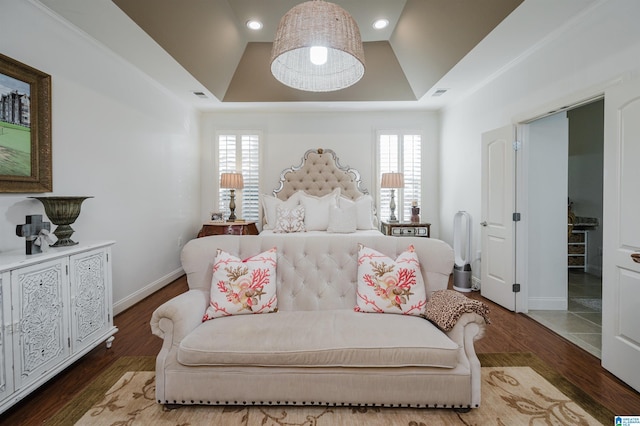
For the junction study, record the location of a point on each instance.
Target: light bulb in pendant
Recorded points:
(318, 55)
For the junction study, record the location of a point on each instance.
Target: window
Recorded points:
(240, 152)
(400, 152)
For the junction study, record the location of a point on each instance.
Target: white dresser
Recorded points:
(55, 307)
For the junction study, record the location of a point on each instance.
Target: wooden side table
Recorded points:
(228, 228)
(406, 229)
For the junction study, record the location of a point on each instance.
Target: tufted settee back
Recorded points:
(316, 272)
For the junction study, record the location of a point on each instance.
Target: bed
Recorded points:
(319, 197)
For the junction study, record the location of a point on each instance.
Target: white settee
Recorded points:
(316, 349)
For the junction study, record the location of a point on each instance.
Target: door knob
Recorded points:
(635, 257)
(483, 223)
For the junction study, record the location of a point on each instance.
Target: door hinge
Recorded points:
(516, 217)
(69, 341)
(517, 145)
(516, 288)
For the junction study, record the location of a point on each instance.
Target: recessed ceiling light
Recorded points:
(380, 24)
(252, 24)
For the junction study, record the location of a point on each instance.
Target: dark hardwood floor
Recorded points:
(509, 332)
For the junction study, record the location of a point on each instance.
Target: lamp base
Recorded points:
(232, 206)
(392, 207)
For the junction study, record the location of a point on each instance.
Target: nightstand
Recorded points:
(228, 228)
(406, 229)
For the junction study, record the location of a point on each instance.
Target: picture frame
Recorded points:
(217, 217)
(25, 128)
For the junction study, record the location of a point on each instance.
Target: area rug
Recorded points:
(517, 389)
(591, 303)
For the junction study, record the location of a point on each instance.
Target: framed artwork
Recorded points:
(25, 128)
(216, 217)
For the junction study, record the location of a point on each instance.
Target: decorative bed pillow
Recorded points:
(317, 209)
(342, 220)
(243, 286)
(390, 286)
(269, 205)
(364, 210)
(289, 220)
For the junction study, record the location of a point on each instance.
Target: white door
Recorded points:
(621, 239)
(498, 206)
(545, 211)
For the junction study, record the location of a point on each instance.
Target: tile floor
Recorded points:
(582, 323)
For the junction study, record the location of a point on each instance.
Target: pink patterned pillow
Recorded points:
(388, 286)
(243, 286)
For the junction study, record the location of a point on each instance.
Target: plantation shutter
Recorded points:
(226, 164)
(240, 153)
(251, 173)
(398, 152)
(411, 147)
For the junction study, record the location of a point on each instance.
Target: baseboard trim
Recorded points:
(547, 304)
(146, 291)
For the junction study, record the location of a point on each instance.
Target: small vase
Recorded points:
(62, 211)
(415, 214)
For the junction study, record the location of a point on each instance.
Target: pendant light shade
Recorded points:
(332, 33)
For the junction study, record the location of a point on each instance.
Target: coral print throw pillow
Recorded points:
(243, 286)
(390, 286)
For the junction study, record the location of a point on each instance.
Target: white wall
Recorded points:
(118, 137)
(577, 64)
(287, 135)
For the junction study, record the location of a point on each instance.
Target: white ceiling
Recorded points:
(183, 65)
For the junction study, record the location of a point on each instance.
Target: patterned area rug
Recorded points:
(517, 389)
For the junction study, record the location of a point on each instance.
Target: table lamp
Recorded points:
(392, 181)
(232, 181)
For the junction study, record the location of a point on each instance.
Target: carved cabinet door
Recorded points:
(90, 298)
(40, 320)
(6, 352)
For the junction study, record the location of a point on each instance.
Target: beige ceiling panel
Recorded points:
(207, 43)
(383, 79)
(433, 35)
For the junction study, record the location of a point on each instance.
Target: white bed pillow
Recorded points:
(342, 220)
(316, 209)
(364, 210)
(271, 203)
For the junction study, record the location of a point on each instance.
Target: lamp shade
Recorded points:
(392, 180)
(330, 31)
(231, 181)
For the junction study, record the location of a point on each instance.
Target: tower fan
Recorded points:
(462, 251)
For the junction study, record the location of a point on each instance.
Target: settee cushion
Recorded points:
(387, 285)
(243, 286)
(342, 338)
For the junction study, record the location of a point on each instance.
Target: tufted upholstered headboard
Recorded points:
(318, 174)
